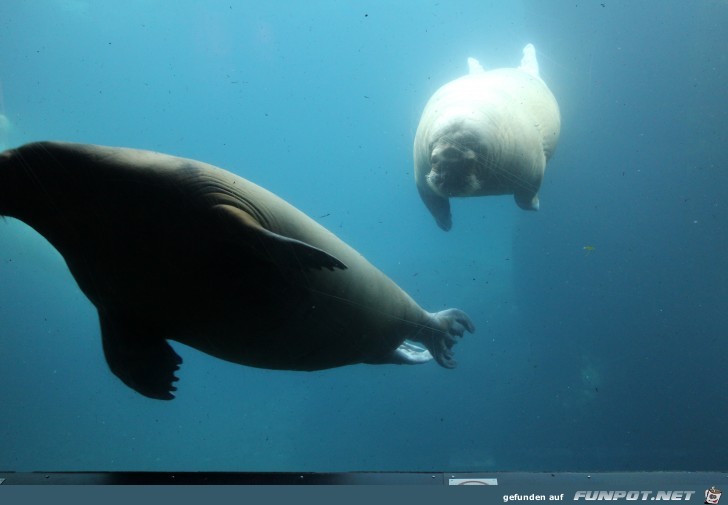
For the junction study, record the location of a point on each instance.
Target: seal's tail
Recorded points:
(445, 329)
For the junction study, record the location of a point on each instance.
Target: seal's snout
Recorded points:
(452, 170)
(450, 154)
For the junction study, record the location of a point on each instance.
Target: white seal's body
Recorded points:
(486, 133)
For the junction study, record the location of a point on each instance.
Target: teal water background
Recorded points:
(601, 320)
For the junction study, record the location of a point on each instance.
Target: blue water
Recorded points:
(613, 357)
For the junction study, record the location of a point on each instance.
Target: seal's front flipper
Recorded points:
(442, 333)
(438, 206)
(526, 201)
(142, 359)
(270, 246)
(405, 354)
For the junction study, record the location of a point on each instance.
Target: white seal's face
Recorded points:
(454, 165)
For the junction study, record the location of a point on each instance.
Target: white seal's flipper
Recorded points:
(474, 66)
(529, 63)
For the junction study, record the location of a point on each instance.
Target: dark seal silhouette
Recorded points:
(169, 248)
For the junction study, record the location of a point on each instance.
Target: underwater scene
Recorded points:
(594, 305)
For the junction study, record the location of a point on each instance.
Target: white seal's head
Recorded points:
(456, 153)
(452, 171)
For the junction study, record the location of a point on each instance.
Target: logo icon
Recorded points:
(712, 496)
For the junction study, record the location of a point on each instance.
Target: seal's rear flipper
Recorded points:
(405, 354)
(270, 246)
(442, 333)
(529, 63)
(474, 66)
(140, 358)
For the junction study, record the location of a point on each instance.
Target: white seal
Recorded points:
(486, 133)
